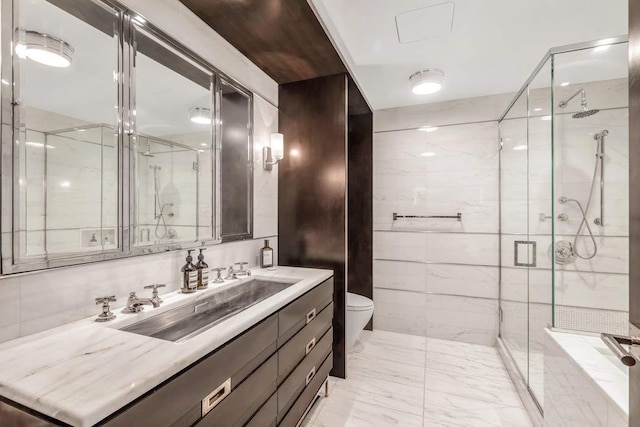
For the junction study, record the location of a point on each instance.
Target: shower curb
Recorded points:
(530, 405)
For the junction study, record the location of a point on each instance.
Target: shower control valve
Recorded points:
(563, 217)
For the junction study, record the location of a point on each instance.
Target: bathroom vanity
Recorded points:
(262, 366)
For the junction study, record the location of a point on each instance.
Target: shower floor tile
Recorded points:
(404, 380)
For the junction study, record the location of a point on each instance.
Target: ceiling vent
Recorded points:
(425, 23)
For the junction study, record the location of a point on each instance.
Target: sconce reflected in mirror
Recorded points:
(274, 152)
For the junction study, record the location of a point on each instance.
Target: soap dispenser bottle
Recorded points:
(189, 275)
(203, 271)
(266, 255)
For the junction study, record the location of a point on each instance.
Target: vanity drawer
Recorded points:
(302, 311)
(267, 416)
(304, 373)
(177, 402)
(294, 416)
(303, 342)
(240, 405)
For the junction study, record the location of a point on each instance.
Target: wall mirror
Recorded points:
(116, 140)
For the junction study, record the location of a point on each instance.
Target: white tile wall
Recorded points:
(572, 394)
(437, 277)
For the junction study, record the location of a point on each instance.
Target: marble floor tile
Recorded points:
(346, 412)
(405, 341)
(455, 410)
(364, 366)
(374, 348)
(404, 380)
(478, 387)
(382, 393)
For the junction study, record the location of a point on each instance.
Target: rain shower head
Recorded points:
(586, 112)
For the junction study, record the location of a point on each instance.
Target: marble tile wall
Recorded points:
(38, 301)
(437, 277)
(581, 386)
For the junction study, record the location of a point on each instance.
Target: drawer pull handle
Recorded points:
(310, 346)
(311, 315)
(216, 396)
(310, 376)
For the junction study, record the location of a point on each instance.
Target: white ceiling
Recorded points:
(493, 47)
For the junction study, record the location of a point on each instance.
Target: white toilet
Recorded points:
(359, 312)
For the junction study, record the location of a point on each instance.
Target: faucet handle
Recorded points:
(155, 295)
(219, 271)
(106, 300)
(242, 264)
(106, 314)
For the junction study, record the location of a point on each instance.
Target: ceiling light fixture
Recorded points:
(428, 128)
(427, 81)
(563, 84)
(200, 115)
(428, 154)
(44, 48)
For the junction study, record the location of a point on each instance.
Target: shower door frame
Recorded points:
(549, 56)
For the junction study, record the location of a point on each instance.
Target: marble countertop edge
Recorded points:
(89, 348)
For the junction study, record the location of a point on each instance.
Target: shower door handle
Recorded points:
(615, 342)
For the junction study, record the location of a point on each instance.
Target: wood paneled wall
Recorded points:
(312, 200)
(325, 190)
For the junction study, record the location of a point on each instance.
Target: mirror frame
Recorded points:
(9, 172)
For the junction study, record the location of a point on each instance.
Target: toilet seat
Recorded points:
(357, 302)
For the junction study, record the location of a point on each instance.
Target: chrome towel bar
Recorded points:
(457, 216)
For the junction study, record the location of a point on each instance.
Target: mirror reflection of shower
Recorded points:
(566, 252)
(160, 210)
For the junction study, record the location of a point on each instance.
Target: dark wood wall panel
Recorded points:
(312, 187)
(360, 191)
(282, 37)
(634, 201)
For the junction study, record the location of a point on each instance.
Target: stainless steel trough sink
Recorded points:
(184, 322)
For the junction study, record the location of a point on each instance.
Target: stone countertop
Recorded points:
(84, 371)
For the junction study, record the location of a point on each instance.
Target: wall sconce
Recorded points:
(274, 152)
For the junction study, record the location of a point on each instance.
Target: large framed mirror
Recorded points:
(236, 172)
(116, 139)
(172, 139)
(60, 127)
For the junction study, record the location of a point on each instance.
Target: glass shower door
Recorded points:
(514, 228)
(526, 226)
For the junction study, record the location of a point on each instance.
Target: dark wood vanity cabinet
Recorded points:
(267, 376)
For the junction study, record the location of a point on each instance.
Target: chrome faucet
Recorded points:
(232, 273)
(136, 305)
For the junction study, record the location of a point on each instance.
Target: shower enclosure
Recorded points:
(564, 203)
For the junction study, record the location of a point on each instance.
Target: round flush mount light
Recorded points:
(44, 48)
(200, 115)
(427, 81)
